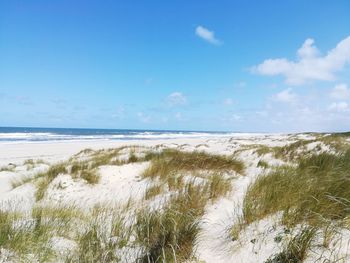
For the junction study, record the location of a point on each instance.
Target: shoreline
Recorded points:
(14, 152)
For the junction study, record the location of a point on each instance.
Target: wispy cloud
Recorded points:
(207, 35)
(310, 65)
(59, 103)
(176, 98)
(286, 96)
(340, 92)
(341, 106)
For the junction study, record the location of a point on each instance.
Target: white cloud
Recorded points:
(285, 96)
(339, 106)
(308, 50)
(340, 92)
(207, 35)
(310, 65)
(176, 98)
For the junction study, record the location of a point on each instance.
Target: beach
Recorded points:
(122, 180)
(174, 131)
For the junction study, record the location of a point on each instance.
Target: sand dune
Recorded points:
(122, 183)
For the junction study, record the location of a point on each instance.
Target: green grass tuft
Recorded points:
(297, 248)
(169, 234)
(174, 161)
(47, 177)
(315, 191)
(218, 186)
(263, 164)
(153, 191)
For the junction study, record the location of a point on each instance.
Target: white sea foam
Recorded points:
(42, 136)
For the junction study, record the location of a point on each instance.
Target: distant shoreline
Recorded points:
(27, 134)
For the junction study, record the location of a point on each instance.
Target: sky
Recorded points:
(220, 65)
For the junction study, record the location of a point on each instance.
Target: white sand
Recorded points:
(119, 183)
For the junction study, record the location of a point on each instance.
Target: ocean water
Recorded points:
(22, 134)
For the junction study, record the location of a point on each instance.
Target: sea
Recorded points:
(28, 134)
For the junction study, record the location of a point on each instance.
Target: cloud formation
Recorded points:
(341, 106)
(340, 92)
(176, 98)
(207, 35)
(310, 64)
(285, 96)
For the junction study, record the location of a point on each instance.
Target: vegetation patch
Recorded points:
(263, 164)
(315, 191)
(296, 249)
(104, 234)
(29, 237)
(169, 234)
(153, 191)
(8, 168)
(174, 161)
(218, 186)
(47, 177)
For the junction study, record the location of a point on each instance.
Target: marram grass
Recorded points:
(316, 190)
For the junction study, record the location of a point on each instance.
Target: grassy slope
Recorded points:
(313, 193)
(167, 233)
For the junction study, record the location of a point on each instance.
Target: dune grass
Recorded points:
(167, 165)
(28, 237)
(315, 191)
(47, 177)
(110, 156)
(29, 162)
(8, 168)
(169, 234)
(98, 234)
(263, 164)
(336, 142)
(174, 168)
(90, 176)
(263, 149)
(313, 194)
(171, 167)
(288, 152)
(217, 186)
(296, 250)
(16, 182)
(153, 190)
(101, 238)
(174, 161)
(86, 169)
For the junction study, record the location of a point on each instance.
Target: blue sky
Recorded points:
(271, 66)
